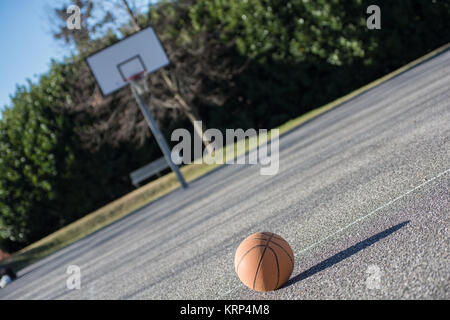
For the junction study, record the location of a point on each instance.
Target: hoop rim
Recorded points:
(136, 76)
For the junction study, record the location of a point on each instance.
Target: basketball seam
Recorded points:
(242, 258)
(272, 235)
(278, 267)
(260, 260)
(279, 245)
(273, 240)
(264, 235)
(265, 239)
(287, 253)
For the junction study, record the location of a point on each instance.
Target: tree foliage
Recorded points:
(66, 150)
(34, 153)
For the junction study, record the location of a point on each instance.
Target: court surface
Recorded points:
(362, 196)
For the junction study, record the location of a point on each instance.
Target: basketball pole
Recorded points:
(138, 90)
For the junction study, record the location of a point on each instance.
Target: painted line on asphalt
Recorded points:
(374, 211)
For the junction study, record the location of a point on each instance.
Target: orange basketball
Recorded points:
(264, 261)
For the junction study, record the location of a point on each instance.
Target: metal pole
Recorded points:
(156, 132)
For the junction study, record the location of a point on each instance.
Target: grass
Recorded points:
(166, 184)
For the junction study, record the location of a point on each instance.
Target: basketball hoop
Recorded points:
(126, 63)
(138, 81)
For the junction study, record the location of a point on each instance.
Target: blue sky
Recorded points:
(26, 42)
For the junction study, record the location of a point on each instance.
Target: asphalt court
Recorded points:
(362, 191)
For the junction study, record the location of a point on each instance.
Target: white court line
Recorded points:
(359, 219)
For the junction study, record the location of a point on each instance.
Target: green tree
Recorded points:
(34, 155)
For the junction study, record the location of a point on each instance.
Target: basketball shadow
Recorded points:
(338, 257)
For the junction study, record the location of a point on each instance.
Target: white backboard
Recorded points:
(139, 52)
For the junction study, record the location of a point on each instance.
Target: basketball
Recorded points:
(264, 261)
